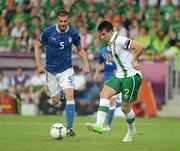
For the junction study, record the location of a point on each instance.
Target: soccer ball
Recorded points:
(58, 131)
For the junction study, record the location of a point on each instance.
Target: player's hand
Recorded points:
(135, 64)
(85, 69)
(40, 68)
(108, 57)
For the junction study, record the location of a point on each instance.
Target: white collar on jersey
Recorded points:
(113, 36)
(57, 29)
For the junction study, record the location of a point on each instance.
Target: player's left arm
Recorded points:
(83, 55)
(138, 49)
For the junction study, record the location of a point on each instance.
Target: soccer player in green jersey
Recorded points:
(127, 79)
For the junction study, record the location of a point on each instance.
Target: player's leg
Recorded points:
(67, 83)
(103, 109)
(110, 89)
(70, 110)
(130, 118)
(130, 91)
(118, 100)
(52, 83)
(115, 103)
(110, 114)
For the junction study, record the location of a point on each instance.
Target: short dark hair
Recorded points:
(105, 25)
(62, 13)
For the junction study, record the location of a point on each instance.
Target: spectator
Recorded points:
(5, 40)
(118, 26)
(174, 53)
(153, 28)
(145, 11)
(86, 38)
(20, 15)
(79, 20)
(34, 23)
(161, 41)
(36, 82)
(167, 9)
(17, 45)
(18, 28)
(174, 21)
(20, 84)
(91, 18)
(144, 38)
(130, 16)
(26, 41)
(134, 29)
(110, 14)
(4, 84)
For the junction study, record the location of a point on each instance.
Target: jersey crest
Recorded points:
(70, 39)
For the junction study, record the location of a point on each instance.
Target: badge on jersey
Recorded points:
(70, 39)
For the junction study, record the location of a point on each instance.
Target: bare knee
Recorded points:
(112, 101)
(107, 92)
(125, 107)
(69, 94)
(55, 100)
(102, 94)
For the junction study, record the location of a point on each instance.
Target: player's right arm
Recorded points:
(138, 49)
(99, 68)
(37, 48)
(42, 41)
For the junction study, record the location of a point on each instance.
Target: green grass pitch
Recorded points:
(31, 133)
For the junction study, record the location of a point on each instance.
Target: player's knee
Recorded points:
(125, 107)
(55, 100)
(69, 96)
(102, 94)
(112, 101)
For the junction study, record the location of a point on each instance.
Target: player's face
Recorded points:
(62, 22)
(105, 35)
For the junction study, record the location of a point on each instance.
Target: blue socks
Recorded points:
(111, 114)
(70, 112)
(110, 117)
(118, 104)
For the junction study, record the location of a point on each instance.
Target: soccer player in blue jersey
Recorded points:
(107, 65)
(58, 40)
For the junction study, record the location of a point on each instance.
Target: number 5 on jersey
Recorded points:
(61, 45)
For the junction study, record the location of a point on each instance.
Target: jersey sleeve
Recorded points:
(125, 42)
(76, 39)
(43, 37)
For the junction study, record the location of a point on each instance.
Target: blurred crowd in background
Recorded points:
(154, 23)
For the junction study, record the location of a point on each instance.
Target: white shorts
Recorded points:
(59, 81)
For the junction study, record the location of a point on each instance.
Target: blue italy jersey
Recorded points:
(109, 67)
(59, 48)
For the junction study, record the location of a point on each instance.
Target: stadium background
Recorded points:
(154, 23)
